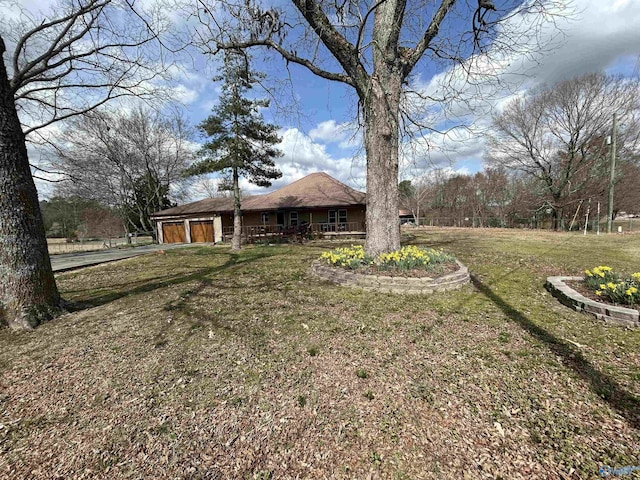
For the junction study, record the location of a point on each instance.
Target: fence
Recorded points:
(627, 224)
(61, 245)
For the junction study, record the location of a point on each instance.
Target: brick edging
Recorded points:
(614, 315)
(387, 284)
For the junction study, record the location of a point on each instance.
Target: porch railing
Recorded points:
(257, 232)
(337, 227)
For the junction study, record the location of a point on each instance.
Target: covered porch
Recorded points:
(298, 233)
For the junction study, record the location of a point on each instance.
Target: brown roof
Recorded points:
(313, 191)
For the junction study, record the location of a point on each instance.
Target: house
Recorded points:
(317, 202)
(406, 216)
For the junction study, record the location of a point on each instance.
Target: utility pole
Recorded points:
(586, 221)
(612, 177)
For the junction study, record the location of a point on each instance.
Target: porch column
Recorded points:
(160, 233)
(217, 229)
(187, 231)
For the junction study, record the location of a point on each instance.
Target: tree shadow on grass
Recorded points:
(624, 402)
(203, 275)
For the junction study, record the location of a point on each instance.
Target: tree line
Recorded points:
(496, 198)
(549, 159)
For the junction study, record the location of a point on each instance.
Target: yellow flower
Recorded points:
(611, 286)
(603, 286)
(588, 273)
(631, 290)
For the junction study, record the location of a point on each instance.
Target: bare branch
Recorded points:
(412, 56)
(291, 57)
(84, 55)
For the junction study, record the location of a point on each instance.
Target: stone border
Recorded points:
(387, 284)
(613, 315)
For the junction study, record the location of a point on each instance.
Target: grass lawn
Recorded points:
(200, 363)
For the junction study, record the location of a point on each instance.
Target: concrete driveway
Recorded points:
(71, 261)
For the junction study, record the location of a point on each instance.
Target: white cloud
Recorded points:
(183, 94)
(332, 132)
(440, 150)
(303, 156)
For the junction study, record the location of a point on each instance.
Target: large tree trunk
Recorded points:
(236, 240)
(28, 292)
(381, 109)
(381, 106)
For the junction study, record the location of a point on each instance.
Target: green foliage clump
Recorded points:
(609, 285)
(407, 258)
(351, 257)
(410, 257)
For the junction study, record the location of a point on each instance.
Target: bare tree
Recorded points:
(373, 47)
(79, 56)
(131, 161)
(208, 187)
(101, 222)
(558, 134)
(413, 195)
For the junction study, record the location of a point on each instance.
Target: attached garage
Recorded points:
(201, 231)
(173, 232)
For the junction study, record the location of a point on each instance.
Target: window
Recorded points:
(264, 217)
(293, 219)
(342, 216)
(333, 216)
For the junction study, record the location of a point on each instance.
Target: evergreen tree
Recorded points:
(240, 142)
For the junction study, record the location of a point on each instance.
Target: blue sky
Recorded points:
(319, 132)
(597, 36)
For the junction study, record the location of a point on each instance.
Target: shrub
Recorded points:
(607, 284)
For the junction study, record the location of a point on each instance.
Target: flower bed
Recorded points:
(611, 314)
(411, 270)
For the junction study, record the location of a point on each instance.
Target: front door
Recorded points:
(280, 218)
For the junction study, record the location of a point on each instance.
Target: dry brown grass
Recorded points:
(206, 364)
